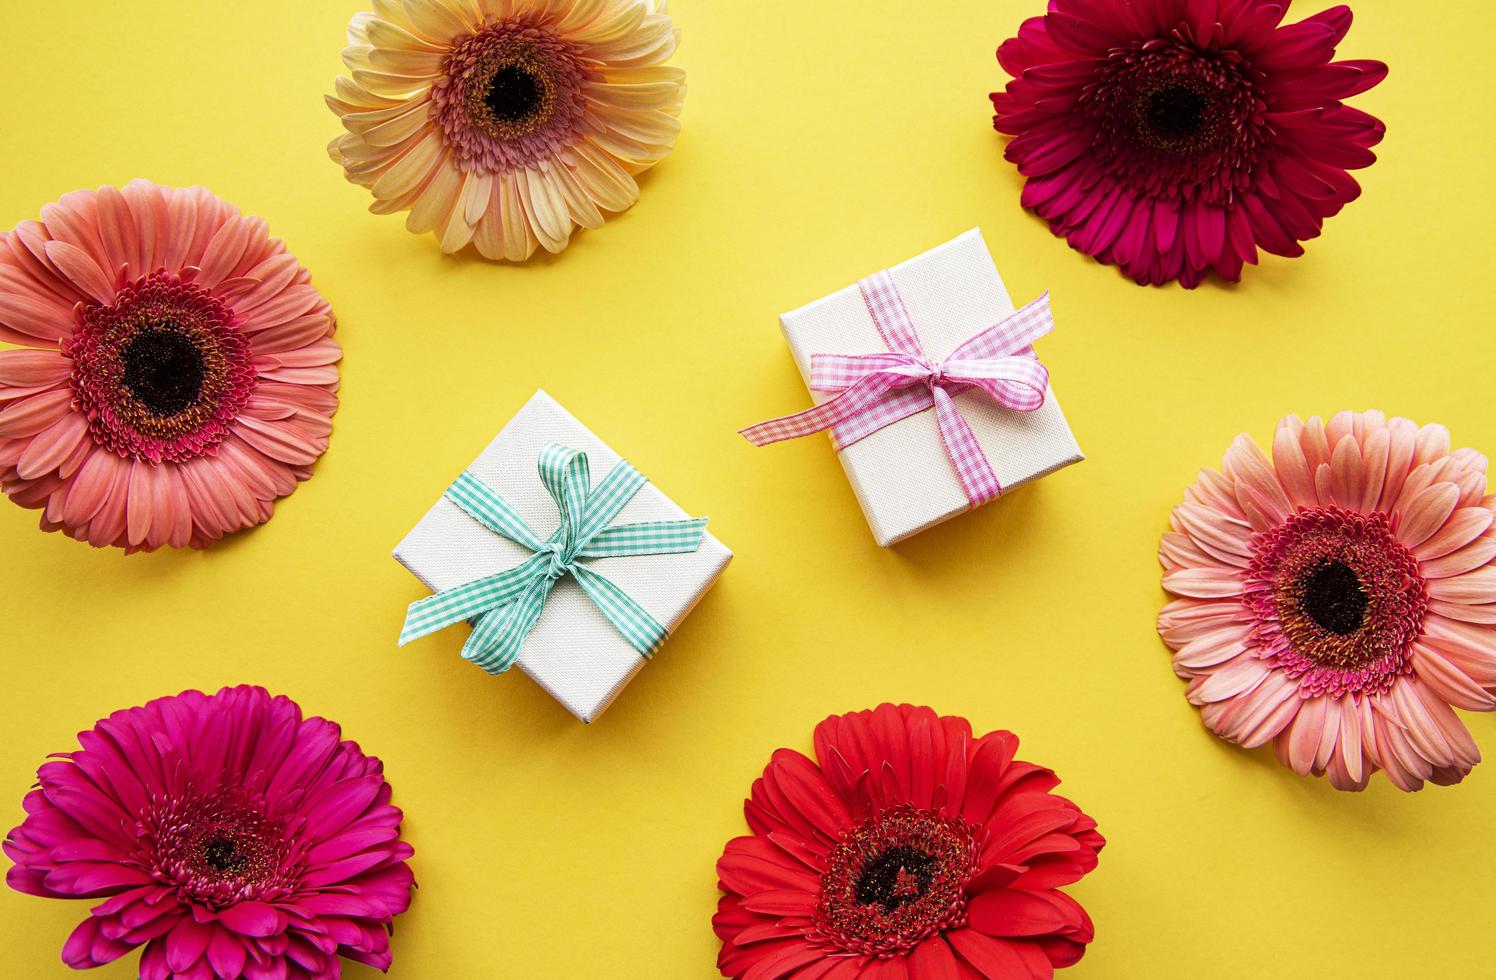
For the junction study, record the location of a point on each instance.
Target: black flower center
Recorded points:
(1333, 598)
(896, 877)
(164, 370)
(514, 94)
(222, 854)
(1175, 112)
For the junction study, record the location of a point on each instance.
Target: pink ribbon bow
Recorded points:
(878, 390)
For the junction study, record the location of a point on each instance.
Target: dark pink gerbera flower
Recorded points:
(908, 848)
(226, 834)
(1176, 137)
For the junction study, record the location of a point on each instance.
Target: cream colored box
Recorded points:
(901, 474)
(573, 652)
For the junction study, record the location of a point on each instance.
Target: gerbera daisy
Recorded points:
(506, 123)
(1339, 598)
(225, 833)
(908, 848)
(180, 374)
(1176, 137)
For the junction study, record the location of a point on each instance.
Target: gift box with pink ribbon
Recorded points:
(926, 377)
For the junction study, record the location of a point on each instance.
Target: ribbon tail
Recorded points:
(827, 414)
(1013, 334)
(437, 612)
(496, 639)
(646, 538)
(643, 632)
(971, 465)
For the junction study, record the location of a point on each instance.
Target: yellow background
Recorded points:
(822, 141)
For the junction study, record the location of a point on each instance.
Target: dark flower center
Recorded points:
(1332, 597)
(1174, 122)
(164, 369)
(511, 95)
(222, 854)
(896, 877)
(220, 849)
(514, 94)
(163, 372)
(1176, 112)
(1337, 601)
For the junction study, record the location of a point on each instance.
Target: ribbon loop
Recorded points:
(506, 606)
(878, 389)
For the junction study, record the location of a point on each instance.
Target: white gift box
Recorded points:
(573, 652)
(901, 473)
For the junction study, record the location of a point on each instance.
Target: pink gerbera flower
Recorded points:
(1176, 137)
(180, 370)
(908, 848)
(1339, 600)
(226, 834)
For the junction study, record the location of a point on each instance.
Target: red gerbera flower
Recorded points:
(909, 849)
(1173, 137)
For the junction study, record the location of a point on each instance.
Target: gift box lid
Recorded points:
(901, 474)
(573, 652)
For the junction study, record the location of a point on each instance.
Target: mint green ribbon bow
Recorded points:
(505, 606)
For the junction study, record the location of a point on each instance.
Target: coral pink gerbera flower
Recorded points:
(506, 123)
(908, 848)
(1339, 599)
(1176, 137)
(227, 834)
(182, 370)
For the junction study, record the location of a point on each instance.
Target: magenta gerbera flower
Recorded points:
(225, 833)
(1177, 137)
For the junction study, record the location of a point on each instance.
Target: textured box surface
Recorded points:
(573, 651)
(901, 474)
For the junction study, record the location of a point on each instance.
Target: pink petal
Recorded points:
(1345, 473)
(1472, 588)
(82, 272)
(1234, 679)
(51, 447)
(32, 415)
(1293, 470)
(1462, 527)
(1450, 683)
(1427, 514)
(33, 368)
(1480, 552)
(1213, 648)
(1304, 736)
(1204, 583)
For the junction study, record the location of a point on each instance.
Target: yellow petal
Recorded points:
(546, 209)
(437, 20)
(605, 181)
(411, 169)
(437, 200)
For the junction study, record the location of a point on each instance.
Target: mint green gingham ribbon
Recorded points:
(505, 606)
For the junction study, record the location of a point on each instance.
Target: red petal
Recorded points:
(933, 959)
(1014, 913)
(992, 958)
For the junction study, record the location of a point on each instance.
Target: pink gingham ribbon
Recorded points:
(877, 390)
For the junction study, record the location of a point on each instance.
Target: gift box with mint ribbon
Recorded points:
(557, 556)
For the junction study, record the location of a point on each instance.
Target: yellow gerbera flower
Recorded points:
(506, 123)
